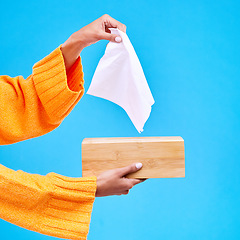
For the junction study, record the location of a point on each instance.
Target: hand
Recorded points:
(113, 182)
(93, 32)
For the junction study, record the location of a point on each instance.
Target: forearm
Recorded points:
(37, 105)
(53, 204)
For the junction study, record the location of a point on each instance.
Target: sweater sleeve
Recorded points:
(53, 204)
(34, 106)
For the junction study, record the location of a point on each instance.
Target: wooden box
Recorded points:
(162, 157)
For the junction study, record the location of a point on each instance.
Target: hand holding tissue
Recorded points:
(119, 78)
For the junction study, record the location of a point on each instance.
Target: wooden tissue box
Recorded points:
(162, 157)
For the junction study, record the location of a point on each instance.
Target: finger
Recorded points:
(129, 169)
(111, 37)
(142, 179)
(135, 181)
(111, 22)
(125, 192)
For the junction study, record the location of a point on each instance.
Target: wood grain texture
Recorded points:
(162, 157)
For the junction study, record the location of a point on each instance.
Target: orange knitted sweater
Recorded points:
(53, 204)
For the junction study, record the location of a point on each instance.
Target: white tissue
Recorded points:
(119, 78)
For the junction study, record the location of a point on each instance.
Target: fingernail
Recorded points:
(138, 165)
(118, 39)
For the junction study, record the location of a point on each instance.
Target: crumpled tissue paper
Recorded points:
(119, 78)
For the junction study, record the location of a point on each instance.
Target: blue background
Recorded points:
(190, 53)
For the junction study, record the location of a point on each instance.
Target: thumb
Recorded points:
(111, 37)
(130, 169)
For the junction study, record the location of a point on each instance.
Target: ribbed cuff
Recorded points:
(75, 76)
(58, 92)
(68, 211)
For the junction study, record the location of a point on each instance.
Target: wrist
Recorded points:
(71, 49)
